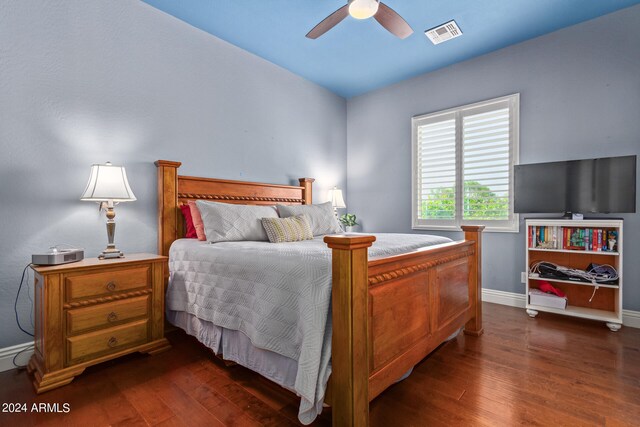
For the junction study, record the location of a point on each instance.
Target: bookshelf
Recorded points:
(576, 244)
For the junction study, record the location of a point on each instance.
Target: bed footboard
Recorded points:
(389, 313)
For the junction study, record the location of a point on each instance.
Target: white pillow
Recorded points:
(225, 222)
(321, 217)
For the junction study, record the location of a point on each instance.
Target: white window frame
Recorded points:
(512, 224)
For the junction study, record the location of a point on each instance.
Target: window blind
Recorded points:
(462, 166)
(486, 165)
(437, 164)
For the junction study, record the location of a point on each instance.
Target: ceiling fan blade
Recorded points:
(329, 22)
(393, 22)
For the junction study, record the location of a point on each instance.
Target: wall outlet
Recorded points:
(523, 277)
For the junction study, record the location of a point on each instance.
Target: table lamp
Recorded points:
(108, 185)
(335, 195)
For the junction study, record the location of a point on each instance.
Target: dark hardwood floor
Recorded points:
(548, 371)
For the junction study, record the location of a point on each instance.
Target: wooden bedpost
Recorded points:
(307, 183)
(167, 205)
(474, 325)
(350, 347)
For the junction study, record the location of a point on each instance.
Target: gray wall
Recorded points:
(86, 81)
(579, 98)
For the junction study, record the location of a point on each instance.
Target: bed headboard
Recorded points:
(175, 190)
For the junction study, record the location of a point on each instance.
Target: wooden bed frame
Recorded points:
(388, 313)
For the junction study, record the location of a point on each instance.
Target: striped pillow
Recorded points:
(291, 229)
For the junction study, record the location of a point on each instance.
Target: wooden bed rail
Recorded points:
(349, 343)
(474, 325)
(375, 340)
(168, 218)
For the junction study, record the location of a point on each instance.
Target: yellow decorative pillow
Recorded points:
(291, 229)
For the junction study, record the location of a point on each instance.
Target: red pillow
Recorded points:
(191, 230)
(197, 220)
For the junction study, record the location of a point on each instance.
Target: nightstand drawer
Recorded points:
(106, 315)
(106, 282)
(107, 341)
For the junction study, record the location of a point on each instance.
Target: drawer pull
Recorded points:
(112, 317)
(113, 341)
(111, 286)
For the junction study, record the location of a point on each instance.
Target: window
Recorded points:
(463, 166)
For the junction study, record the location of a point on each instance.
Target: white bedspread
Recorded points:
(278, 295)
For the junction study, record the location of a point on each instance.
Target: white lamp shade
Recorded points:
(108, 182)
(335, 196)
(363, 9)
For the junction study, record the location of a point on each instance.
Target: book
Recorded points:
(599, 240)
(532, 236)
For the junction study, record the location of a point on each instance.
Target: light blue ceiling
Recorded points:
(358, 56)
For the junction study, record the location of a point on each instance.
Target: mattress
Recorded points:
(267, 306)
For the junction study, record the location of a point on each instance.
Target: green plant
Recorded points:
(479, 202)
(348, 220)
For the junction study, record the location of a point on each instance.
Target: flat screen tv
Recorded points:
(605, 185)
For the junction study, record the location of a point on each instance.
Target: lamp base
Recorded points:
(111, 253)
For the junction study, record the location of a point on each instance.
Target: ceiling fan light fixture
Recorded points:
(363, 9)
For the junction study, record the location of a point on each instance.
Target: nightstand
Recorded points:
(95, 310)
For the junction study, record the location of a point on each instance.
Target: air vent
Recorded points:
(444, 32)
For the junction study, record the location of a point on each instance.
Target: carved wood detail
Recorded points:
(390, 275)
(238, 198)
(116, 297)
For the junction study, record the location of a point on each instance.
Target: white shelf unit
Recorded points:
(603, 305)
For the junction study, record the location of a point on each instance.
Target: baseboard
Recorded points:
(630, 318)
(8, 353)
(504, 298)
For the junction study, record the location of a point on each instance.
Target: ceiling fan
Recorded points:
(364, 9)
